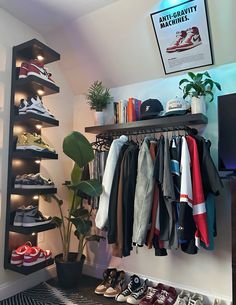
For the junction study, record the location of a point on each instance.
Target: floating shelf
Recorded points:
(31, 85)
(32, 48)
(32, 154)
(30, 230)
(153, 124)
(31, 118)
(33, 191)
(31, 269)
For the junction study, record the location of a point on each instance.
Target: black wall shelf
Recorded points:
(28, 270)
(160, 123)
(22, 162)
(33, 191)
(30, 230)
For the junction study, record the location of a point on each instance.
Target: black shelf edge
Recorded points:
(35, 119)
(30, 230)
(158, 123)
(33, 191)
(32, 48)
(28, 270)
(26, 154)
(31, 84)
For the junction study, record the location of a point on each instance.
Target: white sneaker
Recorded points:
(34, 105)
(192, 40)
(196, 299)
(183, 298)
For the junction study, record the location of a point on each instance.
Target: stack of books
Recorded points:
(127, 111)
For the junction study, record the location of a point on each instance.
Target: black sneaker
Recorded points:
(32, 181)
(138, 294)
(133, 285)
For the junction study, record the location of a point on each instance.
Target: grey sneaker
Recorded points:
(196, 299)
(18, 219)
(183, 298)
(32, 181)
(32, 217)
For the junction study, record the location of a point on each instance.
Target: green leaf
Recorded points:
(218, 86)
(80, 213)
(207, 74)
(78, 148)
(211, 94)
(95, 238)
(191, 75)
(92, 188)
(83, 226)
(57, 221)
(209, 82)
(185, 80)
(76, 174)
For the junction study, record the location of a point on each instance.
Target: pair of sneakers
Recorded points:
(134, 291)
(33, 181)
(112, 284)
(159, 295)
(27, 256)
(36, 68)
(185, 298)
(32, 141)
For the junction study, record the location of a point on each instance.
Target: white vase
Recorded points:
(98, 118)
(198, 105)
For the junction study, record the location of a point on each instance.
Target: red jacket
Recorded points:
(198, 204)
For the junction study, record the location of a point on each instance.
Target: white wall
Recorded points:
(14, 32)
(207, 272)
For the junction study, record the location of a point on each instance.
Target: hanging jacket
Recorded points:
(143, 194)
(102, 213)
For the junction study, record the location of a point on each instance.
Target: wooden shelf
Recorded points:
(31, 269)
(31, 118)
(160, 123)
(31, 85)
(30, 230)
(32, 154)
(33, 191)
(32, 48)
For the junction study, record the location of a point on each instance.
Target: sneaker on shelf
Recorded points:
(183, 298)
(35, 255)
(138, 294)
(17, 255)
(33, 181)
(34, 105)
(133, 285)
(24, 68)
(37, 68)
(101, 288)
(191, 40)
(33, 141)
(117, 284)
(19, 214)
(166, 296)
(32, 217)
(196, 299)
(151, 295)
(179, 38)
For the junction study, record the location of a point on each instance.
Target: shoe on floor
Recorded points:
(196, 299)
(151, 295)
(133, 285)
(101, 288)
(117, 284)
(138, 294)
(183, 298)
(166, 296)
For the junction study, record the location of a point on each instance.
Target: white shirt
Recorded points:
(102, 213)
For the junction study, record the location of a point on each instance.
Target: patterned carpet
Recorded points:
(50, 293)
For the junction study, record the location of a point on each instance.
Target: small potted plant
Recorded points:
(198, 87)
(98, 97)
(76, 217)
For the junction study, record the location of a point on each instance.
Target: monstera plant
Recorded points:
(75, 218)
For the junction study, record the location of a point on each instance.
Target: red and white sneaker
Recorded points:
(35, 255)
(17, 256)
(24, 68)
(37, 68)
(179, 38)
(192, 40)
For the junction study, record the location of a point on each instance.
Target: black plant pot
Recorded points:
(69, 273)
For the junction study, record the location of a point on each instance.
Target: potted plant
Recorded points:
(76, 217)
(98, 97)
(197, 87)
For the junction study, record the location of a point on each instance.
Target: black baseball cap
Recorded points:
(150, 108)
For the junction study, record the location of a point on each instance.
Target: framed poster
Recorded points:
(182, 35)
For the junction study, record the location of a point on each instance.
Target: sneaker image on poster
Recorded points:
(133, 285)
(102, 287)
(179, 38)
(192, 40)
(34, 105)
(33, 181)
(29, 141)
(138, 294)
(37, 68)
